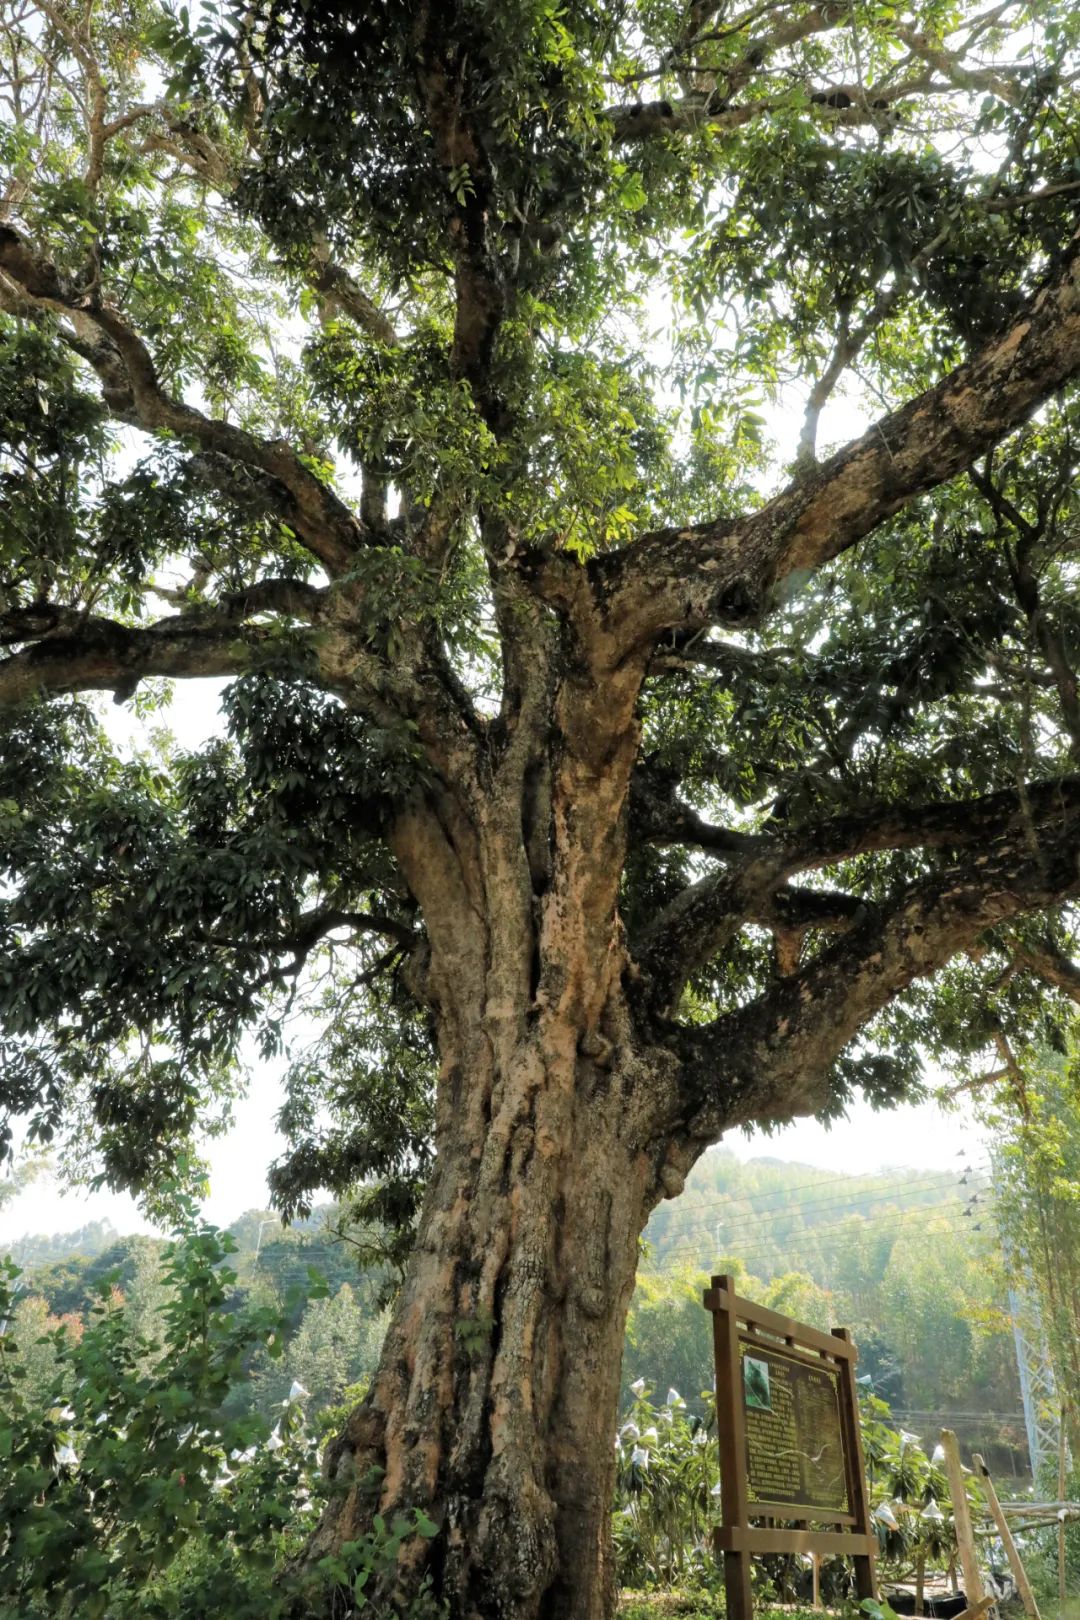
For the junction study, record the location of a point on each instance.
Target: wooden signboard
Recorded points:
(787, 1416)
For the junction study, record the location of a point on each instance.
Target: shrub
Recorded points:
(125, 1492)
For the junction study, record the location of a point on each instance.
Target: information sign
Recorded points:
(794, 1443)
(787, 1422)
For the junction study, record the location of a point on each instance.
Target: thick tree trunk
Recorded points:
(495, 1402)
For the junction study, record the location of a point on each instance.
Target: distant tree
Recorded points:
(147, 1294)
(1037, 1199)
(611, 757)
(20, 1172)
(935, 1297)
(337, 1345)
(33, 1330)
(41, 1248)
(668, 1337)
(254, 1228)
(795, 1294)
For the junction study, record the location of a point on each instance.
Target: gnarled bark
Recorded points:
(494, 1403)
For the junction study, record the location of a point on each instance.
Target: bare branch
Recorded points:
(943, 824)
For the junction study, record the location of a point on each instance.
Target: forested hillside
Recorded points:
(909, 1260)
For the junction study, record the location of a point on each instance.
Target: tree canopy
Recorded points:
(471, 388)
(334, 348)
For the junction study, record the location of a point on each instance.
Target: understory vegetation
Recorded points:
(136, 1482)
(188, 1388)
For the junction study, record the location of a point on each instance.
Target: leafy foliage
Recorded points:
(126, 1489)
(295, 227)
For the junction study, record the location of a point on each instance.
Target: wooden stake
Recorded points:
(977, 1609)
(920, 1583)
(1061, 1498)
(815, 1577)
(965, 1539)
(1023, 1585)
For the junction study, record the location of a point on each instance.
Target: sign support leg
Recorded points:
(731, 1432)
(865, 1584)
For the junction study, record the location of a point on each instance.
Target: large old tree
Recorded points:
(609, 759)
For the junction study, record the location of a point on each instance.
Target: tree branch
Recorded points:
(847, 106)
(1052, 966)
(944, 824)
(771, 1060)
(706, 915)
(339, 290)
(661, 818)
(75, 652)
(1045, 632)
(726, 571)
(315, 926)
(132, 391)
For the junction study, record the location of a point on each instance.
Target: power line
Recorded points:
(897, 1217)
(827, 1178)
(943, 1411)
(747, 1219)
(885, 1189)
(753, 1228)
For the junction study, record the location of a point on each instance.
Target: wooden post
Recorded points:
(1023, 1585)
(1061, 1498)
(858, 1496)
(920, 1582)
(731, 1432)
(965, 1539)
(977, 1609)
(815, 1579)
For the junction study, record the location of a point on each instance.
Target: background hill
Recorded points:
(910, 1261)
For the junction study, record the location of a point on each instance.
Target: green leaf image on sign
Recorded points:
(756, 1384)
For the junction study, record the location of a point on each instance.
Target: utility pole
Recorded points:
(1038, 1387)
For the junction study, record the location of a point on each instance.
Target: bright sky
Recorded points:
(920, 1138)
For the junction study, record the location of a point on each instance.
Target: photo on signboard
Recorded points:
(756, 1384)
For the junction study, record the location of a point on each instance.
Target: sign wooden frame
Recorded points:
(737, 1323)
